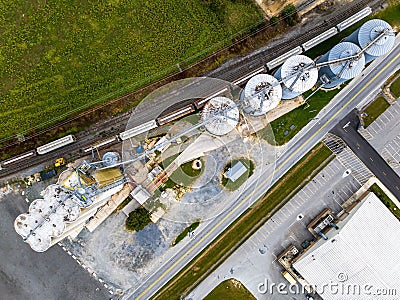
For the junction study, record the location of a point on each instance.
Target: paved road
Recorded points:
(353, 94)
(347, 130)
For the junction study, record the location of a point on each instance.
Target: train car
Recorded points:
(354, 19)
(66, 140)
(319, 38)
(281, 59)
(179, 113)
(16, 159)
(199, 103)
(137, 130)
(103, 143)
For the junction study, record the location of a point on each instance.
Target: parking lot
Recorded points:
(384, 135)
(255, 261)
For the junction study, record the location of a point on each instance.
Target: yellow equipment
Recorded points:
(59, 162)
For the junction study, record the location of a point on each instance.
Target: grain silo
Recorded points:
(376, 36)
(298, 74)
(340, 70)
(261, 94)
(221, 115)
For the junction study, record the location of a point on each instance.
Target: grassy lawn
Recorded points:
(245, 225)
(185, 175)
(61, 57)
(385, 200)
(395, 88)
(374, 110)
(229, 184)
(184, 233)
(230, 289)
(298, 117)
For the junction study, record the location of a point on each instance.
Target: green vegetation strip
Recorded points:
(245, 225)
(374, 110)
(61, 57)
(385, 200)
(230, 289)
(184, 233)
(395, 88)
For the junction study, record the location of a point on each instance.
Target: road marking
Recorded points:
(168, 271)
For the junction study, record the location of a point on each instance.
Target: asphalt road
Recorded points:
(347, 130)
(26, 274)
(352, 95)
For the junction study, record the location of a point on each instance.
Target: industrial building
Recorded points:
(67, 205)
(360, 250)
(298, 74)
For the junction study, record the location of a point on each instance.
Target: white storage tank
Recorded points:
(340, 72)
(298, 75)
(368, 32)
(261, 94)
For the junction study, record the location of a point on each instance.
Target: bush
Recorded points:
(138, 219)
(289, 14)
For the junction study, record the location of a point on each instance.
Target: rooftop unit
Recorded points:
(298, 74)
(262, 93)
(221, 115)
(367, 33)
(343, 70)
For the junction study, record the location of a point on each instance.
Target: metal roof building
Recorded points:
(341, 71)
(364, 251)
(262, 93)
(370, 31)
(298, 74)
(222, 115)
(236, 171)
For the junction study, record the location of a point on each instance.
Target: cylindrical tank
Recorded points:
(298, 76)
(262, 93)
(110, 159)
(369, 31)
(221, 114)
(340, 72)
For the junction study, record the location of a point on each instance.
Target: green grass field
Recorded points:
(395, 87)
(230, 289)
(374, 110)
(60, 57)
(185, 232)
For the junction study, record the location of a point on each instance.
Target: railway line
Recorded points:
(238, 74)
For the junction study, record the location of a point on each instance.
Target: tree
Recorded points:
(137, 219)
(289, 14)
(274, 20)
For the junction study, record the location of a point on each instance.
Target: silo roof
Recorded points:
(346, 69)
(224, 114)
(305, 78)
(263, 93)
(371, 30)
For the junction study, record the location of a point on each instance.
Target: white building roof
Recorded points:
(236, 171)
(364, 251)
(140, 194)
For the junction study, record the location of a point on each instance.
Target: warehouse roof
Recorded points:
(364, 251)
